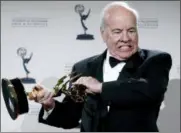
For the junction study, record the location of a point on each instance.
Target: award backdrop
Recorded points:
(41, 40)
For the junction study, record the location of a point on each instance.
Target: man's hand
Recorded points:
(92, 84)
(43, 96)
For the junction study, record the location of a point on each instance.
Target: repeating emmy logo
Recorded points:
(80, 9)
(22, 53)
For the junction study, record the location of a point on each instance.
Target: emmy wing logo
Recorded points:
(80, 9)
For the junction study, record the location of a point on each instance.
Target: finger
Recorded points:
(82, 80)
(89, 91)
(85, 81)
(45, 97)
(32, 96)
(41, 87)
(37, 88)
(35, 95)
(78, 81)
(48, 99)
(89, 78)
(75, 77)
(41, 100)
(52, 94)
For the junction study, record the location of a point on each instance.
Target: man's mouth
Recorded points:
(125, 47)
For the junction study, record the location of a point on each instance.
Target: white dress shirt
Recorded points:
(109, 73)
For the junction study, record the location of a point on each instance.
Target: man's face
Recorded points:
(120, 34)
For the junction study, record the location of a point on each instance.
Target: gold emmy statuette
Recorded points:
(16, 98)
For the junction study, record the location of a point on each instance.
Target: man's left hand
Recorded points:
(92, 84)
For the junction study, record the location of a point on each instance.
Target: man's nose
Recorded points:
(125, 37)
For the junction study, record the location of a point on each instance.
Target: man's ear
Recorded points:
(103, 34)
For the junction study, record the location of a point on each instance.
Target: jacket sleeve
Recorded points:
(146, 91)
(66, 114)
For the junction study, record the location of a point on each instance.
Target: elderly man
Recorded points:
(125, 84)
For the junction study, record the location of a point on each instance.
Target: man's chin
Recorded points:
(125, 56)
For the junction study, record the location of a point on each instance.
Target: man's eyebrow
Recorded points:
(116, 29)
(132, 28)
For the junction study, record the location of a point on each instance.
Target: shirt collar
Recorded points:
(118, 67)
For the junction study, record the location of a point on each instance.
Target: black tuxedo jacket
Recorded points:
(134, 98)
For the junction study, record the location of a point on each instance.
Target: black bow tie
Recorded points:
(113, 61)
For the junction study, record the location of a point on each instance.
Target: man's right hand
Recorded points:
(41, 95)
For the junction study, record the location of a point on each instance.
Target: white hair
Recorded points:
(112, 4)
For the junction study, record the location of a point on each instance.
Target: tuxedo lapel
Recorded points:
(96, 66)
(131, 66)
(94, 102)
(128, 71)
